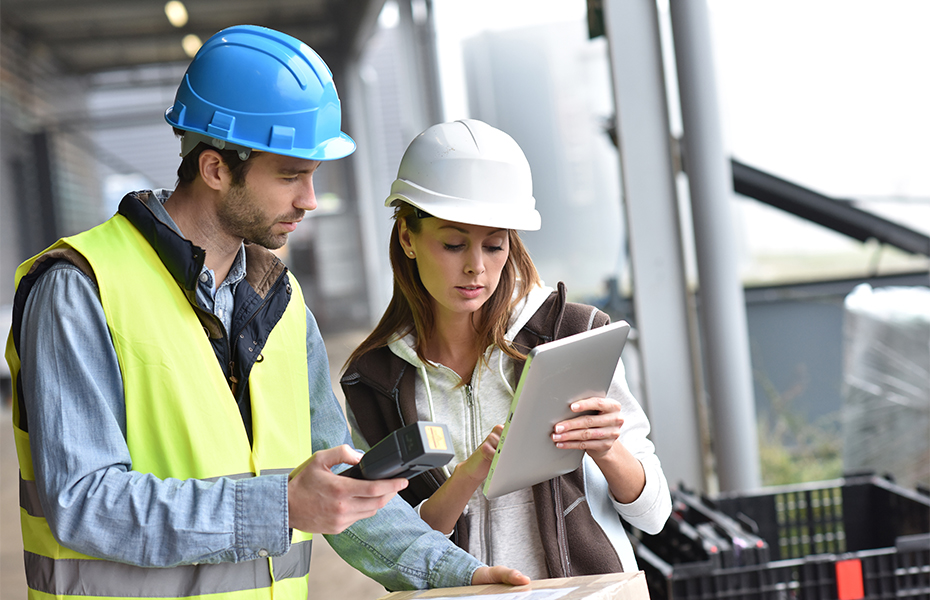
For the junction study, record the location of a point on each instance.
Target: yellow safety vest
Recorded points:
(181, 421)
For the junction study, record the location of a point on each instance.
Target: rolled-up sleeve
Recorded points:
(394, 547)
(651, 509)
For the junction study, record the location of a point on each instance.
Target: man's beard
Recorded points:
(240, 215)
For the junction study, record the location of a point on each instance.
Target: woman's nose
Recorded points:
(475, 263)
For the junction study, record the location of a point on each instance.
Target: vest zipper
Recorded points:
(233, 380)
(560, 534)
(230, 344)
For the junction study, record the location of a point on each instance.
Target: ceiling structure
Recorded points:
(91, 36)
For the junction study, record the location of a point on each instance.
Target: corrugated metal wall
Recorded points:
(49, 184)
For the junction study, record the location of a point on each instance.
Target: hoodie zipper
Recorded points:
(472, 405)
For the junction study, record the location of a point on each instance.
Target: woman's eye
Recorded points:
(494, 248)
(453, 246)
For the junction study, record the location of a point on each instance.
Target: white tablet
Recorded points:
(555, 375)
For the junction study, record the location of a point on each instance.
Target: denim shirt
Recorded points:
(96, 504)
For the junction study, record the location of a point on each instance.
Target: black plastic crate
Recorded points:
(737, 541)
(881, 574)
(769, 581)
(844, 515)
(858, 538)
(901, 571)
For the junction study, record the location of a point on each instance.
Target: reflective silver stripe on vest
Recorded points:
(29, 498)
(86, 577)
(29, 491)
(83, 577)
(276, 471)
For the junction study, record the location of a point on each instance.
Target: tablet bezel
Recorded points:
(555, 375)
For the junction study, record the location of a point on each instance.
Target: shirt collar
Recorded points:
(146, 211)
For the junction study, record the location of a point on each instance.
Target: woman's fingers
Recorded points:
(598, 413)
(594, 432)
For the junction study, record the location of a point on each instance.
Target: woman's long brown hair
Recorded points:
(410, 306)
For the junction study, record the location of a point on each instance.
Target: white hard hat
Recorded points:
(469, 172)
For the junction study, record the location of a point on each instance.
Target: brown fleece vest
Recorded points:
(380, 389)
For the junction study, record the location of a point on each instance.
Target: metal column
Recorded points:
(722, 305)
(659, 286)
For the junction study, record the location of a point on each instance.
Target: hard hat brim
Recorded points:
(464, 210)
(332, 149)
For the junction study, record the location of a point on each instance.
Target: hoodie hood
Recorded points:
(405, 347)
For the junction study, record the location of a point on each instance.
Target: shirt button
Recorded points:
(204, 277)
(263, 553)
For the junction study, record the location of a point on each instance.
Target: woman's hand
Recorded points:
(445, 506)
(594, 433)
(476, 467)
(598, 434)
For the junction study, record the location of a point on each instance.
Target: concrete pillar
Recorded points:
(722, 305)
(660, 292)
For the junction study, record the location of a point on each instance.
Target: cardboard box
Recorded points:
(614, 586)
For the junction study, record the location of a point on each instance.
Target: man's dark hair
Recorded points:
(190, 165)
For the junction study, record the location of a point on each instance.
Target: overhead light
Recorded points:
(191, 44)
(176, 13)
(389, 16)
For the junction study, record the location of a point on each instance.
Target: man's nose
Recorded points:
(306, 200)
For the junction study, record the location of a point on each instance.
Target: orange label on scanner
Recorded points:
(435, 437)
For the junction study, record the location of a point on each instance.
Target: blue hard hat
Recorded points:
(258, 88)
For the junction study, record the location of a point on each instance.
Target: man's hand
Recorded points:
(498, 574)
(319, 501)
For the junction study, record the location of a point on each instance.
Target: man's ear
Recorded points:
(213, 170)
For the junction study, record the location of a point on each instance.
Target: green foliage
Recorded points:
(793, 449)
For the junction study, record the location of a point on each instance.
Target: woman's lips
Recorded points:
(470, 291)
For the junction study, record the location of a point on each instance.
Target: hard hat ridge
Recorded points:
(261, 89)
(469, 172)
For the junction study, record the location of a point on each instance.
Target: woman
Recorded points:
(468, 305)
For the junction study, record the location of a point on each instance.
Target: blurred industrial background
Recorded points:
(747, 183)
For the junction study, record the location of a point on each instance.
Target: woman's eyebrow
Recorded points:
(466, 231)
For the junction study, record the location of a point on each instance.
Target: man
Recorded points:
(170, 379)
